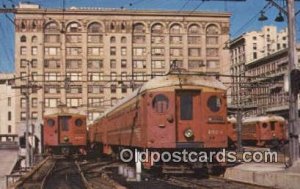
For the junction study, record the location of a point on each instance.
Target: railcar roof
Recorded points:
(63, 114)
(171, 80)
(263, 119)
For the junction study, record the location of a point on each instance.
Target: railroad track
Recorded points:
(54, 173)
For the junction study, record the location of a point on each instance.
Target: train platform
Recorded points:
(8, 159)
(274, 175)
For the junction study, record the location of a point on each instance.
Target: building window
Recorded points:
(254, 55)
(140, 64)
(34, 50)
(195, 64)
(9, 101)
(73, 64)
(124, 88)
(23, 50)
(158, 51)
(112, 39)
(139, 28)
(23, 116)
(195, 52)
(52, 38)
(113, 76)
(95, 76)
(123, 51)
(113, 88)
(74, 89)
(34, 39)
(113, 101)
(34, 115)
(194, 29)
(113, 64)
(95, 89)
(139, 76)
(9, 116)
(9, 129)
(23, 63)
(123, 40)
(52, 89)
(74, 51)
(95, 102)
(112, 51)
(254, 37)
(175, 39)
(74, 76)
(51, 76)
(73, 27)
(95, 51)
(123, 63)
(23, 39)
(95, 63)
(73, 38)
(51, 102)
(158, 64)
(95, 39)
(176, 52)
(34, 63)
(23, 102)
(123, 76)
(52, 63)
(212, 40)
(176, 29)
(52, 51)
(157, 29)
(34, 76)
(34, 103)
(95, 28)
(139, 51)
(212, 52)
(74, 102)
(123, 27)
(195, 40)
(254, 46)
(212, 30)
(157, 39)
(52, 27)
(139, 39)
(212, 63)
(23, 76)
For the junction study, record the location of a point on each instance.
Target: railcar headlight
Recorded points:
(66, 139)
(188, 133)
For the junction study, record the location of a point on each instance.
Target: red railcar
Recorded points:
(65, 133)
(167, 113)
(264, 130)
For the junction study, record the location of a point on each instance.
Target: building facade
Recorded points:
(267, 84)
(7, 103)
(249, 47)
(90, 58)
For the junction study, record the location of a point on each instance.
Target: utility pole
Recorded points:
(28, 157)
(293, 96)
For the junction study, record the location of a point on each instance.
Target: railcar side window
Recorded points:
(264, 125)
(214, 103)
(50, 122)
(186, 106)
(78, 122)
(160, 103)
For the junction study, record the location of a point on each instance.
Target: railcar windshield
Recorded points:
(64, 122)
(186, 108)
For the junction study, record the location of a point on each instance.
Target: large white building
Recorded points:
(252, 46)
(7, 104)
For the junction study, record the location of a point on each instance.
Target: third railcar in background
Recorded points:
(167, 113)
(260, 131)
(65, 133)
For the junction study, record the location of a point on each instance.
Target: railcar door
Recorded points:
(188, 118)
(64, 124)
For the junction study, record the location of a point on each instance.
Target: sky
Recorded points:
(244, 16)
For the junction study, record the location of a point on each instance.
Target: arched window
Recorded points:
(112, 39)
(176, 29)
(138, 28)
(34, 39)
(160, 103)
(23, 39)
(51, 27)
(212, 30)
(123, 40)
(157, 29)
(73, 27)
(194, 29)
(95, 28)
